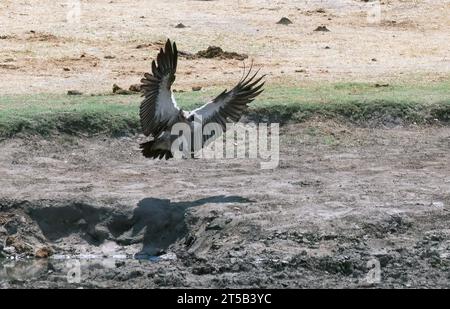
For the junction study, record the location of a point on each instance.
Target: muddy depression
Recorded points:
(346, 206)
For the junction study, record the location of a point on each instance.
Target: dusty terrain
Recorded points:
(346, 203)
(342, 197)
(47, 47)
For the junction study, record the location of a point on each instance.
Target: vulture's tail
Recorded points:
(150, 151)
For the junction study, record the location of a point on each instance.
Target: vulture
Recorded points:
(159, 111)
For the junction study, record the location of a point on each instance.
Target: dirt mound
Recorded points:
(216, 53)
(284, 21)
(322, 29)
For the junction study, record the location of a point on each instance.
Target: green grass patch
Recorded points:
(359, 103)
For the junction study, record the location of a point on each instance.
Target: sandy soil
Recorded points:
(342, 197)
(44, 47)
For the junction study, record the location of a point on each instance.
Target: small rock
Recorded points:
(119, 90)
(43, 253)
(284, 21)
(119, 264)
(374, 59)
(322, 28)
(140, 46)
(300, 71)
(109, 57)
(381, 85)
(196, 88)
(74, 92)
(180, 26)
(170, 256)
(135, 88)
(66, 69)
(99, 233)
(438, 204)
(218, 224)
(9, 250)
(327, 47)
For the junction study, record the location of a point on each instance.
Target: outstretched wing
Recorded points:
(231, 104)
(159, 110)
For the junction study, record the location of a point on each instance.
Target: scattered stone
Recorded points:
(186, 54)
(320, 10)
(374, 59)
(135, 88)
(381, 85)
(98, 233)
(9, 250)
(170, 256)
(66, 69)
(18, 245)
(118, 90)
(438, 204)
(74, 92)
(9, 66)
(300, 71)
(140, 46)
(109, 57)
(180, 26)
(284, 21)
(43, 253)
(119, 264)
(327, 47)
(218, 224)
(196, 88)
(322, 28)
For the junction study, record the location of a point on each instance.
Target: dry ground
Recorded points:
(410, 43)
(341, 197)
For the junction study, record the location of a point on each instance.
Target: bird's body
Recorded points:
(159, 112)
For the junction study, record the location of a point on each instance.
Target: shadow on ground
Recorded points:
(156, 223)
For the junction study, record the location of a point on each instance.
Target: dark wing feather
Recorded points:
(231, 104)
(159, 110)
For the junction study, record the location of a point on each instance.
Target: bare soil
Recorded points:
(45, 48)
(341, 198)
